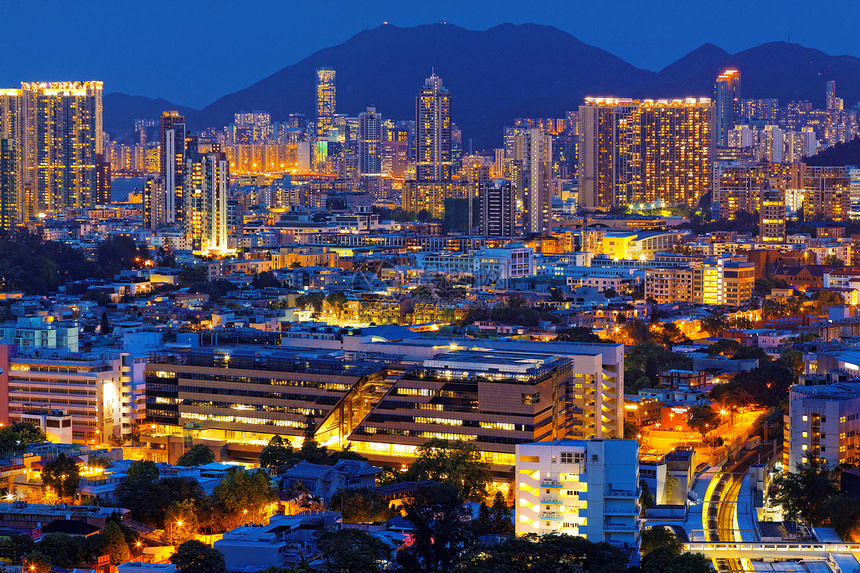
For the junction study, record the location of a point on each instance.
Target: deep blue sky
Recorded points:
(192, 52)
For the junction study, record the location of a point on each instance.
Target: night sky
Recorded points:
(169, 48)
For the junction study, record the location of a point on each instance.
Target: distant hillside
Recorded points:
(847, 153)
(497, 74)
(502, 73)
(120, 110)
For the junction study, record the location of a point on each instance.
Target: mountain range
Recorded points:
(502, 73)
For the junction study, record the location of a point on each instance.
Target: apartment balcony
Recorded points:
(551, 483)
(551, 516)
(618, 527)
(622, 493)
(550, 501)
(631, 512)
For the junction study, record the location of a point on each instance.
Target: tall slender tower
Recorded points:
(433, 125)
(326, 101)
(370, 142)
(10, 120)
(534, 149)
(830, 94)
(207, 177)
(171, 165)
(727, 91)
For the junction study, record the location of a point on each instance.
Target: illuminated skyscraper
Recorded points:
(534, 149)
(155, 203)
(830, 95)
(326, 101)
(727, 91)
(433, 169)
(10, 110)
(370, 142)
(171, 160)
(646, 151)
(207, 179)
(497, 209)
(433, 123)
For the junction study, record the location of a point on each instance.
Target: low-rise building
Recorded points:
(579, 487)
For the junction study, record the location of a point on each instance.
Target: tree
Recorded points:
(578, 334)
(115, 544)
(143, 471)
(657, 536)
(242, 497)
(64, 550)
(19, 435)
(503, 523)
(803, 492)
(277, 454)
(843, 515)
(37, 563)
(180, 522)
(553, 552)
(196, 557)
(702, 419)
(666, 560)
(669, 335)
(825, 298)
(61, 476)
(793, 360)
(104, 327)
(713, 324)
(833, 261)
(360, 505)
(337, 300)
(631, 430)
(442, 530)
(457, 463)
(16, 547)
(197, 455)
(351, 551)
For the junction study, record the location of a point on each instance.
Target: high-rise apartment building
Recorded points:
(157, 203)
(534, 149)
(498, 208)
(172, 168)
(370, 142)
(588, 488)
(326, 101)
(433, 138)
(207, 179)
(644, 151)
(727, 92)
(739, 186)
(53, 134)
(10, 176)
(772, 215)
(830, 95)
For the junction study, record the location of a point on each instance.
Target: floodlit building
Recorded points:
(645, 151)
(579, 487)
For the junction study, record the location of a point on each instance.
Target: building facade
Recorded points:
(579, 487)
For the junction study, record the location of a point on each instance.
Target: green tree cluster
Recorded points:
(61, 476)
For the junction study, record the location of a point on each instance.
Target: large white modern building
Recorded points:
(579, 487)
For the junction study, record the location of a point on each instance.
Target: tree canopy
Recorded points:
(61, 476)
(197, 455)
(196, 557)
(452, 462)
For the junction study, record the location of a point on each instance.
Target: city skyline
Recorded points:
(136, 72)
